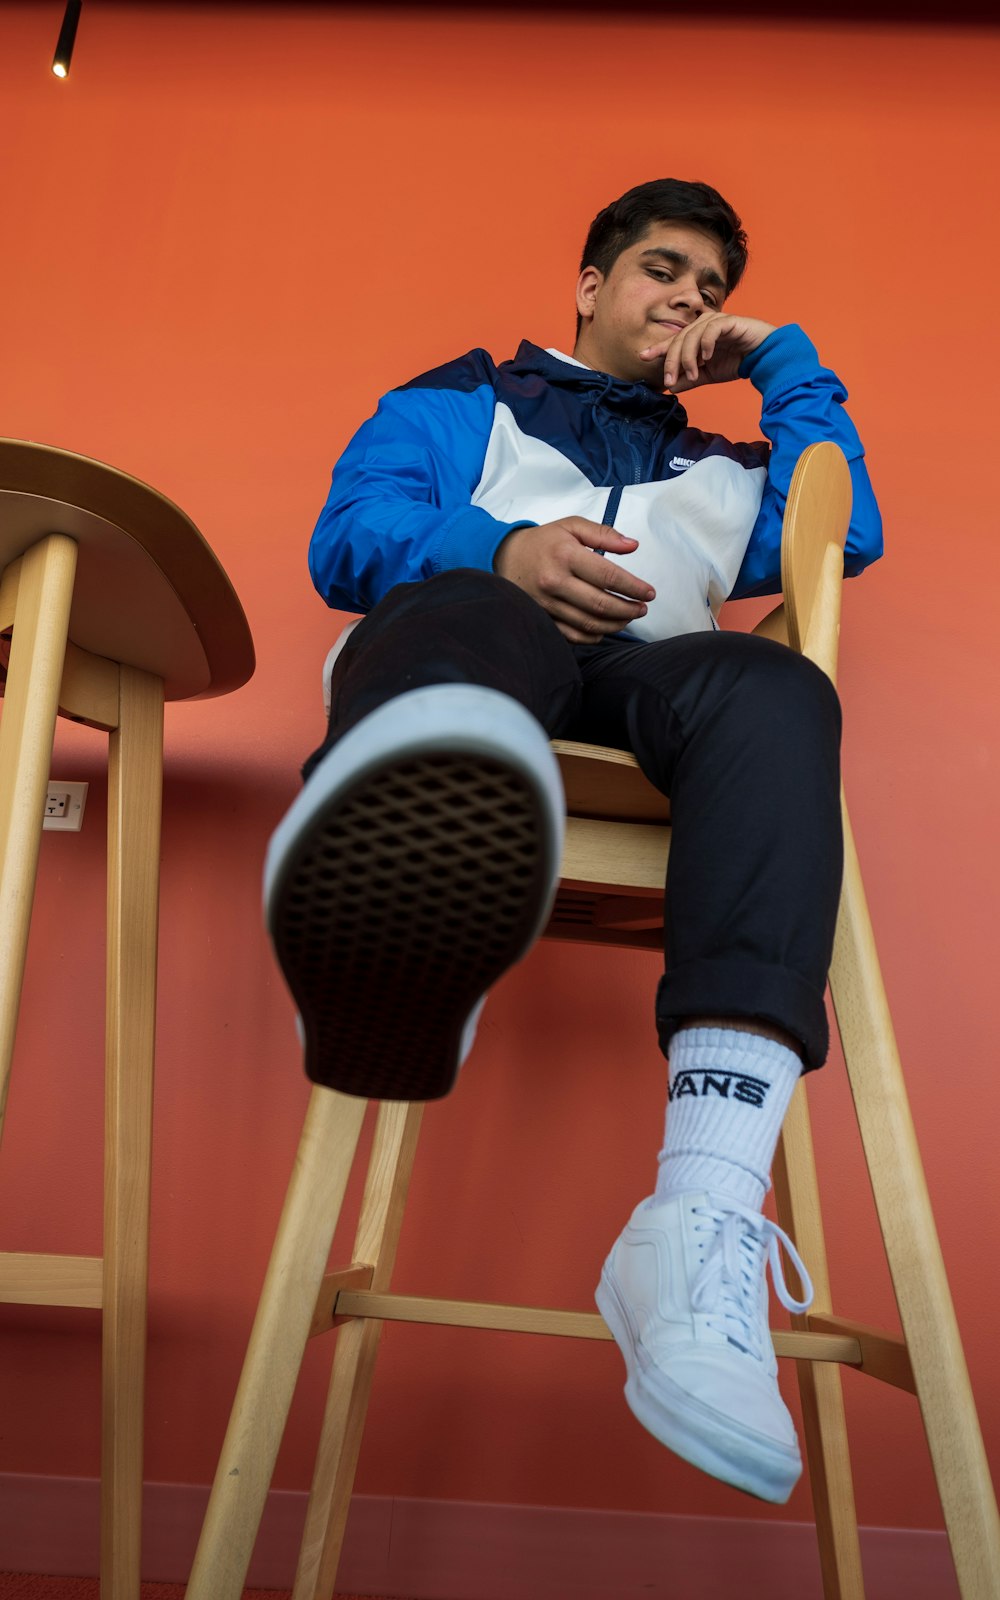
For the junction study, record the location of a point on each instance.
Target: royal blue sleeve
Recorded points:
(399, 507)
(803, 404)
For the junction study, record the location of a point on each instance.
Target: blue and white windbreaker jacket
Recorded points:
(455, 460)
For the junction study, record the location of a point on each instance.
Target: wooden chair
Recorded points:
(611, 893)
(110, 601)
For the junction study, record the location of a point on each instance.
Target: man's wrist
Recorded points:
(470, 537)
(504, 544)
(785, 356)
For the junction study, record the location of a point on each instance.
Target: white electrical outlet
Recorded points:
(64, 806)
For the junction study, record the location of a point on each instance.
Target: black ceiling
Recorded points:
(948, 13)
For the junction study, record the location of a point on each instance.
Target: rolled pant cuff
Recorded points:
(752, 990)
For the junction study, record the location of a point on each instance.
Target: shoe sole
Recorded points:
(402, 891)
(742, 1460)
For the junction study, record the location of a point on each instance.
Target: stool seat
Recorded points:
(148, 593)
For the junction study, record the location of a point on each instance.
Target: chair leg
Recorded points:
(911, 1244)
(354, 1358)
(27, 728)
(135, 769)
(824, 1424)
(281, 1328)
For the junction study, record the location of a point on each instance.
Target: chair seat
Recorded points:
(607, 785)
(149, 592)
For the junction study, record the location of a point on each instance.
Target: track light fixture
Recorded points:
(67, 37)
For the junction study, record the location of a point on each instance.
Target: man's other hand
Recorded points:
(558, 564)
(708, 350)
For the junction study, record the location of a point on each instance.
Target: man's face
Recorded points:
(657, 286)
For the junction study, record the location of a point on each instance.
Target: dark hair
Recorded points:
(624, 221)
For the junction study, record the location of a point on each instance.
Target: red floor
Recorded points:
(20, 1586)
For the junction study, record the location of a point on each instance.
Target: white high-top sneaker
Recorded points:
(684, 1292)
(418, 863)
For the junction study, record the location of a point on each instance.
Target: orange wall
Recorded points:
(225, 236)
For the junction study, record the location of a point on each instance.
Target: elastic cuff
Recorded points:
(471, 538)
(786, 357)
(754, 990)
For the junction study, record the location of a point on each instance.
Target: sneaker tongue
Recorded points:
(742, 1295)
(740, 1228)
(730, 1283)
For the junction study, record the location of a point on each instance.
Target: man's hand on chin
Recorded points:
(709, 350)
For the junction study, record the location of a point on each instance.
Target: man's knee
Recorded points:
(444, 595)
(473, 583)
(773, 681)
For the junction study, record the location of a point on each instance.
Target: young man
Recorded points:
(541, 549)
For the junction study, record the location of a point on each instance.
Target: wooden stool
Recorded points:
(111, 601)
(611, 893)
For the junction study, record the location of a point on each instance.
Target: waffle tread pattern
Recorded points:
(408, 898)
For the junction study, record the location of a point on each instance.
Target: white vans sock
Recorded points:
(729, 1092)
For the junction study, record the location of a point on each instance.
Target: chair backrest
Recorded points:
(817, 515)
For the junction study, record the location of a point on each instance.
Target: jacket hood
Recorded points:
(631, 399)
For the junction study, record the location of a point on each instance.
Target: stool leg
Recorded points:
(377, 1238)
(135, 768)
(280, 1331)
(824, 1424)
(27, 727)
(911, 1244)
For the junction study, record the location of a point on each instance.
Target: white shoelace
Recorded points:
(730, 1284)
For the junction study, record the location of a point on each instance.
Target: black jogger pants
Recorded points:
(741, 733)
